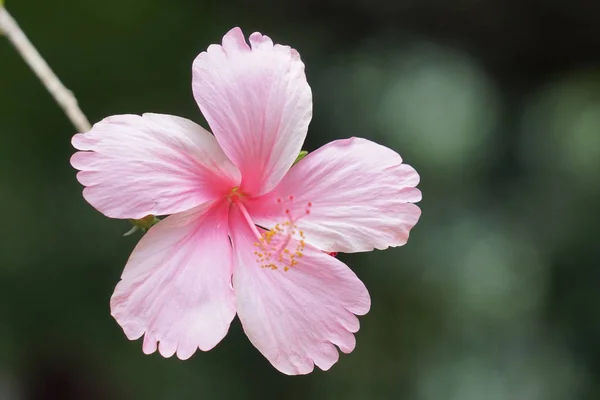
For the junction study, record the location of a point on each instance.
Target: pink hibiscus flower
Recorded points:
(247, 232)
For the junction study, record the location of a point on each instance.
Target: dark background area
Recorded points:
(495, 102)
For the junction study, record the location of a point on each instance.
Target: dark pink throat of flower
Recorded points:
(283, 245)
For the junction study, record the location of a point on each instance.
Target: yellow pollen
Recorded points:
(284, 243)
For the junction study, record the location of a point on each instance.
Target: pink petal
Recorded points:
(176, 287)
(258, 104)
(157, 164)
(358, 194)
(295, 317)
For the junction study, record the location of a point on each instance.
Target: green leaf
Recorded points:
(302, 154)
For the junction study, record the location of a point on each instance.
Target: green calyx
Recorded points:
(302, 154)
(142, 224)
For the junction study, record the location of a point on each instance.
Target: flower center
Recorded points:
(282, 245)
(235, 195)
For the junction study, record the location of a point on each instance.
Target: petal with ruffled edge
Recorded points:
(358, 195)
(176, 287)
(257, 103)
(295, 317)
(157, 164)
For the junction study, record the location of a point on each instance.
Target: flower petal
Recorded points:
(295, 317)
(358, 195)
(257, 103)
(176, 287)
(133, 166)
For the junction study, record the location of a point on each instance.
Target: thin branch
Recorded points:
(63, 96)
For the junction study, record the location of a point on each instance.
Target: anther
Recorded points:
(283, 245)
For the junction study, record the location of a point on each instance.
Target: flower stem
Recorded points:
(63, 96)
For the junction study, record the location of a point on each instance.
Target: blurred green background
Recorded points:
(495, 102)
